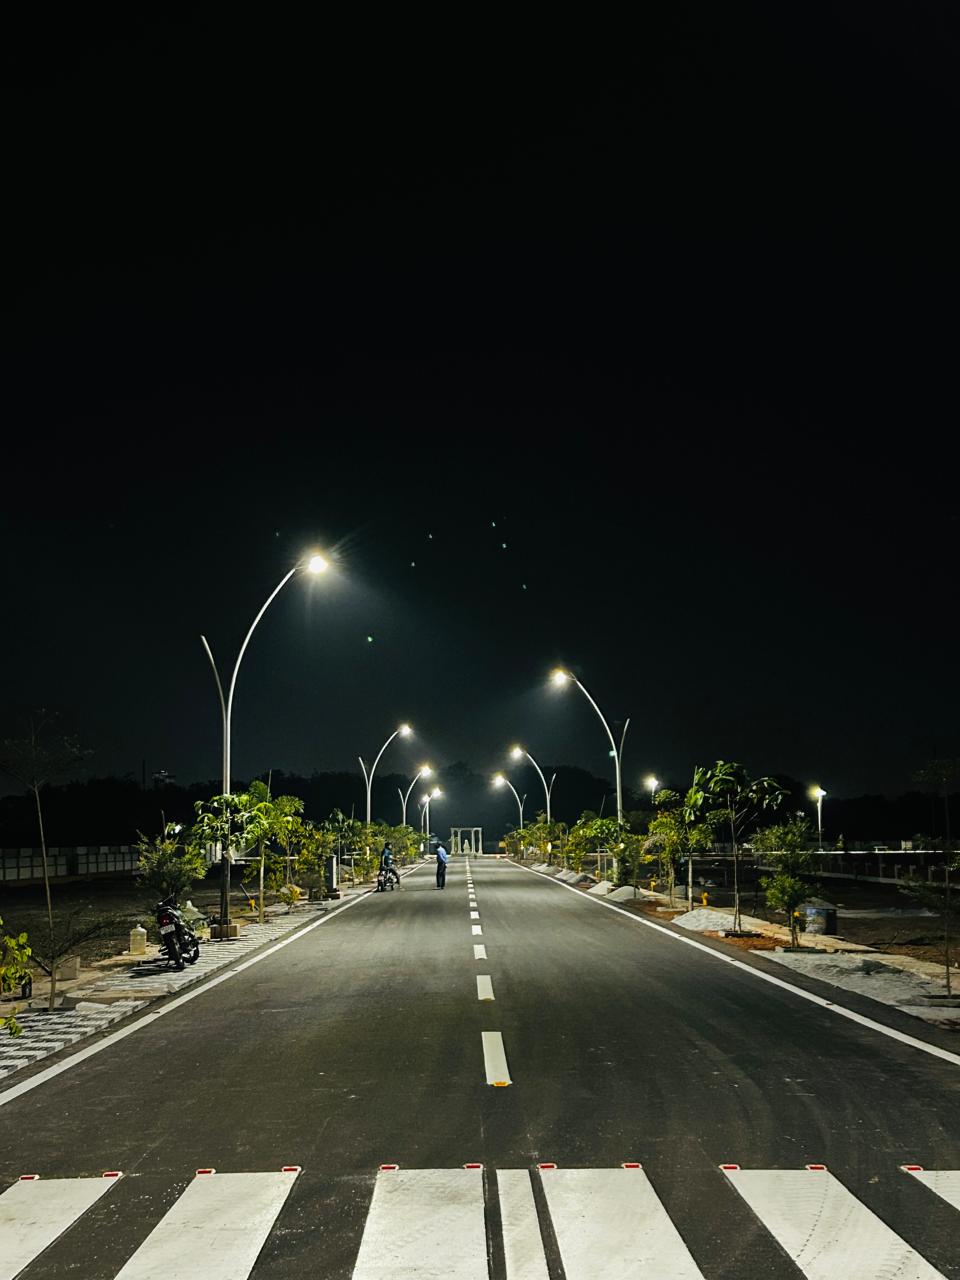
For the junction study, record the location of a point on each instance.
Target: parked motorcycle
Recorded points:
(384, 880)
(177, 938)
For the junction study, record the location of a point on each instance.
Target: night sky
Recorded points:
(631, 349)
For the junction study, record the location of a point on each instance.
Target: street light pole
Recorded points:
(425, 772)
(315, 564)
(500, 781)
(404, 732)
(516, 754)
(425, 809)
(561, 677)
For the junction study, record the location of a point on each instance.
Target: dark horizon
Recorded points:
(631, 355)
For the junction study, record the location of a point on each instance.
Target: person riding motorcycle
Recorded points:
(387, 864)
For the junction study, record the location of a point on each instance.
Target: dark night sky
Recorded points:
(673, 305)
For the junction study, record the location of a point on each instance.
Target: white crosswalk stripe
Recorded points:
(34, 1213)
(215, 1230)
(427, 1223)
(610, 1223)
(522, 1242)
(824, 1228)
(433, 1224)
(945, 1182)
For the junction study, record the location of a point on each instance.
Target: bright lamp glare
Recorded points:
(405, 731)
(498, 780)
(516, 753)
(816, 793)
(426, 771)
(318, 564)
(559, 676)
(651, 783)
(435, 793)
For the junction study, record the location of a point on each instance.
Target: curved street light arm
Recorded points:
(546, 789)
(236, 666)
(599, 713)
(405, 798)
(223, 713)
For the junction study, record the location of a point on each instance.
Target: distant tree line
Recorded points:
(110, 810)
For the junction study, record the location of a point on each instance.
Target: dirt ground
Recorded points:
(917, 936)
(119, 903)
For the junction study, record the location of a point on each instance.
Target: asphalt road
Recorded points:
(360, 1044)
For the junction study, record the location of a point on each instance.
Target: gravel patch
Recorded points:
(871, 977)
(704, 920)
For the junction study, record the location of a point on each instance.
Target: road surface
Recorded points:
(505, 1023)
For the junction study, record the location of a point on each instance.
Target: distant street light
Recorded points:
(315, 564)
(652, 784)
(561, 677)
(424, 772)
(500, 781)
(517, 754)
(435, 794)
(817, 794)
(404, 732)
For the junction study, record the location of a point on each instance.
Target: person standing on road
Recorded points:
(442, 860)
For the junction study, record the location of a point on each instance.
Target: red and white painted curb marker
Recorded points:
(202, 1171)
(389, 1168)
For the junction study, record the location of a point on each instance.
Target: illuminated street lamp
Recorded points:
(404, 732)
(517, 753)
(817, 794)
(500, 781)
(561, 677)
(424, 772)
(652, 784)
(315, 564)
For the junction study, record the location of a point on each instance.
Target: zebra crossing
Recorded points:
(436, 1224)
(44, 1033)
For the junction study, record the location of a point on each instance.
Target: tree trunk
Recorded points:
(46, 886)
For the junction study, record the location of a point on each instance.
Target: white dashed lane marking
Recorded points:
(474, 915)
(484, 987)
(477, 930)
(479, 951)
(495, 1058)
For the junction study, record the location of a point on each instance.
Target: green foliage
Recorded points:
(727, 792)
(545, 838)
(786, 846)
(14, 971)
(591, 836)
(290, 894)
(167, 864)
(784, 893)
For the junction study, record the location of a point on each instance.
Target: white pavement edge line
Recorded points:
(49, 1073)
(934, 1050)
